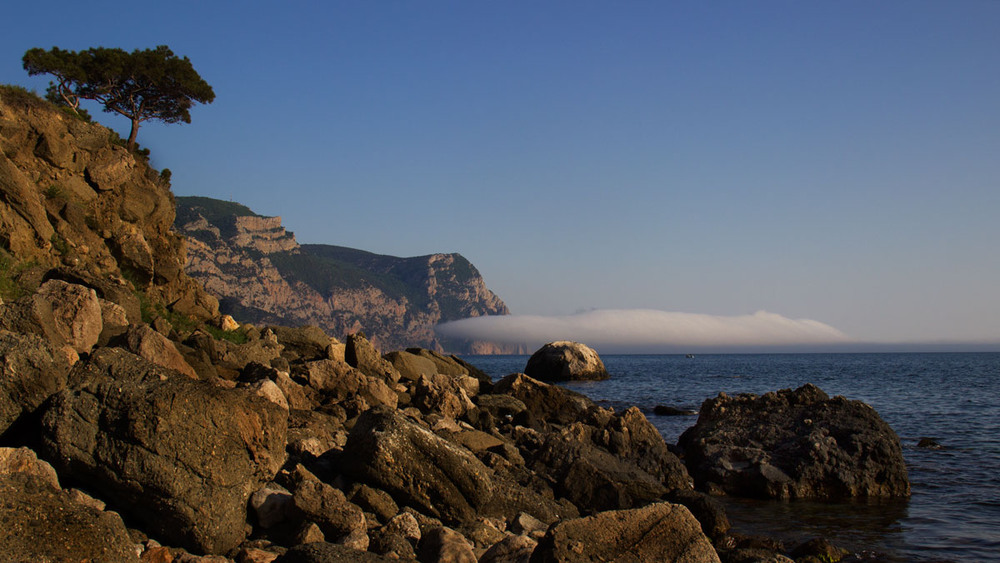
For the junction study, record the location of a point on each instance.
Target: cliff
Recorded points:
(261, 274)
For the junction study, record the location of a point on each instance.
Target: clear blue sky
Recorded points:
(835, 161)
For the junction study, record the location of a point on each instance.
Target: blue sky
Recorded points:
(833, 161)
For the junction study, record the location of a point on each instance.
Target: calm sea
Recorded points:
(954, 511)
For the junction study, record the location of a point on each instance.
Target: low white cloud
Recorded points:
(645, 330)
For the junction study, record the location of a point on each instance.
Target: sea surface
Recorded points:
(954, 511)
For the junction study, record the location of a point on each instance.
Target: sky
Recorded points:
(832, 164)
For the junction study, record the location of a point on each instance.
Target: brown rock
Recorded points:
(32, 370)
(143, 341)
(444, 545)
(659, 532)
(566, 361)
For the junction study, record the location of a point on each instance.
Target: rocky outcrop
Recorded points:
(794, 444)
(566, 361)
(261, 274)
(71, 196)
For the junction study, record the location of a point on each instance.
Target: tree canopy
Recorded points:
(141, 85)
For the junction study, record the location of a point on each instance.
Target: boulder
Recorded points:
(302, 343)
(453, 365)
(31, 371)
(68, 314)
(417, 467)
(794, 444)
(441, 394)
(179, 456)
(511, 549)
(661, 532)
(341, 381)
(323, 552)
(360, 353)
(566, 361)
(411, 366)
(544, 403)
(143, 341)
(340, 521)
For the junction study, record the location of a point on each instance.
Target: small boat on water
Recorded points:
(689, 355)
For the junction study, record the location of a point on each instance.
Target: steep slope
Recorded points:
(75, 204)
(260, 273)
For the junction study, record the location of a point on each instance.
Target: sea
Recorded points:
(953, 513)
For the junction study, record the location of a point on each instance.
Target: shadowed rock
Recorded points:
(566, 361)
(794, 444)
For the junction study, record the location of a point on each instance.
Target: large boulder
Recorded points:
(42, 522)
(360, 353)
(32, 370)
(566, 361)
(661, 532)
(794, 444)
(177, 455)
(439, 478)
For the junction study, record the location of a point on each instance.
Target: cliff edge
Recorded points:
(261, 274)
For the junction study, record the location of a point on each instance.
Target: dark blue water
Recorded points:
(954, 511)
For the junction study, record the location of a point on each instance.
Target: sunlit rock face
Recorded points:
(262, 274)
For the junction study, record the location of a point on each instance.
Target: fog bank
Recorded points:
(653, 331)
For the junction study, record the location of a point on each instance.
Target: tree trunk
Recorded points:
(132, 134)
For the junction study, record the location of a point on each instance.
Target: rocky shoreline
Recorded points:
(139, 424)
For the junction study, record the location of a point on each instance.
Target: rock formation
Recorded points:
(261, 274)
(794, 444)
(566, 361)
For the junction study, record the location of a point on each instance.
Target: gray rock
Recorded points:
(179, 456)
(795, 444)
(566, 361)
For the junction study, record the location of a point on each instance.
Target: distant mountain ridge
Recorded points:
(261, 274)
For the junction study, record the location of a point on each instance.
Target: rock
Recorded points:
(454, 366)
(392, 545)
(302, 343)
(416, 467)
(795, 444)
(411, 366)
(31, 371)
(503, 408)
(664, 410)
(929, 443)
(341, 381)
(272, 505)
(228, 323)
(143, 341)
(406, 525)
(546, 403)
(441, 394)
(362, 355)
(375, 501)
(444, 545)
(566, 361)
(177, 455)
(114, 322)
(511, 549)
(43, 523)
(476, 440)
(591, 478)
(23, 461)
(341, 521)
(820, 549)
(322, 552)
(707, 510)
(661, 532)
(69, 314)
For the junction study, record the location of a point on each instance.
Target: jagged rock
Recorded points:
(362, 355)
(454, 366)
(544, 402)
(661, 532)
(143, 341)
(566, 361)
(633, 439)
(444, 545)
(31, 371)
(795, 444)
(511, 549)
(503, 408)
(303, 343)
(178, 455)
(114, 322)
(409, 462)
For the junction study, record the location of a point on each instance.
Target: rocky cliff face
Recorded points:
(71, 197)
(260, 273)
